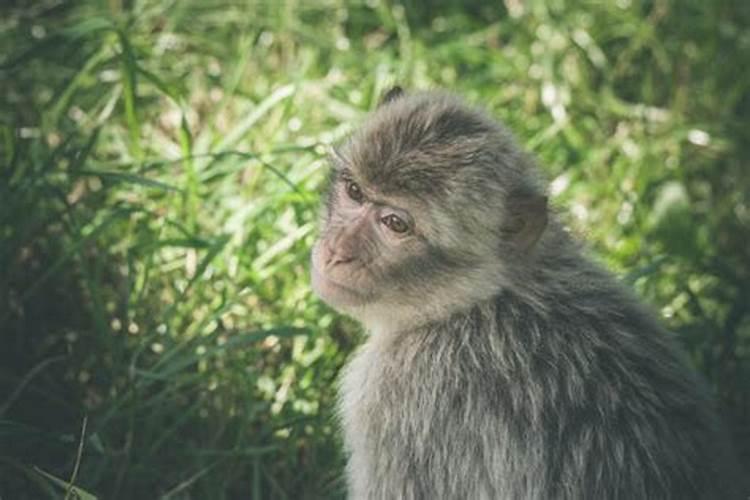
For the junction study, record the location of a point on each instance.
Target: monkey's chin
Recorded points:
(336, 295)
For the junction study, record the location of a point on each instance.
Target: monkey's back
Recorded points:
(508, 401)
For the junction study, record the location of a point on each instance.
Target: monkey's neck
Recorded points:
(555, 276)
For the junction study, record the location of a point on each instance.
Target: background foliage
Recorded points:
(160, 168)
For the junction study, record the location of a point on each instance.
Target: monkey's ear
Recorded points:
(393, 94)
(527, 220)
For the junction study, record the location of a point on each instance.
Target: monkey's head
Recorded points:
(431, 208)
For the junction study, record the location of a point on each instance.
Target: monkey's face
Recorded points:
(365, 241)
(391, 261)
(417, 221)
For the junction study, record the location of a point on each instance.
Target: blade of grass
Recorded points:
(62, 103)
(129, 71)
(187, 482)
(128, 179)
(239, 131)
(236, 340)
(79, 455)
(38, 368)
(82, 155)
(79, 493)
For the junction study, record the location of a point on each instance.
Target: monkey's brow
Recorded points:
(346, 173)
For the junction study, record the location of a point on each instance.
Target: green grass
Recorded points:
(161, 168)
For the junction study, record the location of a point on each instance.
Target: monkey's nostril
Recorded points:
(336, 259)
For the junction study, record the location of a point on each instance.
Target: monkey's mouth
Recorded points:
(335, 293)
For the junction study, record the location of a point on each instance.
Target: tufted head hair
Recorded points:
(433, 147)
(470, 198)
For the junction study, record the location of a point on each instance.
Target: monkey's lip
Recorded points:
(322, 276)
(328, 288)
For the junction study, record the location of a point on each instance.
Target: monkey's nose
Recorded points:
(335, 259)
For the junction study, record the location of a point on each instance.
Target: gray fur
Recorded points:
(494, 371)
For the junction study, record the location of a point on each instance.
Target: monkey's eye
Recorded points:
(354, 191)
(395, 223)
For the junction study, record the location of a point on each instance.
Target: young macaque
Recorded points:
(501, 363)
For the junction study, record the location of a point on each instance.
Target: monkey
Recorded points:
(501, 361)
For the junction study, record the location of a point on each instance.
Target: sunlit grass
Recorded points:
(161, 164)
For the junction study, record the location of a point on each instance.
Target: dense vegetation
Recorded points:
(160, 167)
